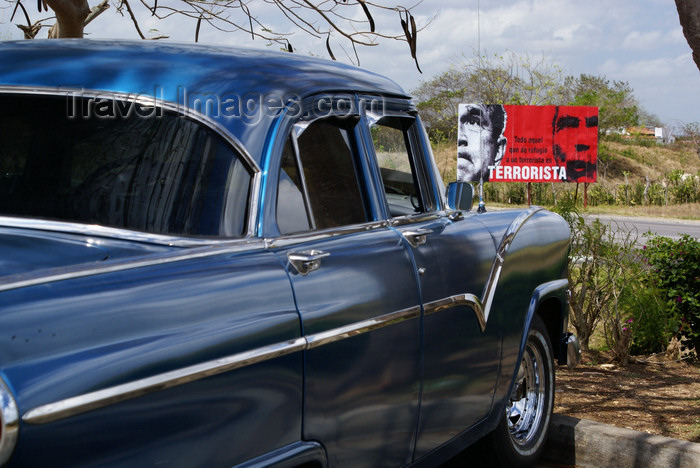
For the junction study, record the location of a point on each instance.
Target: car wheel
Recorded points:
(520, 436)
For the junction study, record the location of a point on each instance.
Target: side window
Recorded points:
(318, 184)
(145, 169)
(292, 214)
(399, 175)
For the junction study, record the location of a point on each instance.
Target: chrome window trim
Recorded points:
(96, 268)
(181, 110)
(86, 402)
(313, 236)
(9, 422)
(98, 230)
(416, 218)
(302, 178)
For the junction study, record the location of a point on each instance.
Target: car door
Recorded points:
(356, 292)
(453, 257)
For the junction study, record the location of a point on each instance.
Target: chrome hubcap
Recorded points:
(526, 405)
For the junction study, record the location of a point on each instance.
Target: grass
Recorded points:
(689, 211)
(629, 162)
(692, 432)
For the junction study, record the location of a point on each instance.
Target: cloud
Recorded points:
(639, 41)
(648, 40)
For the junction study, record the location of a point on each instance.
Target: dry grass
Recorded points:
(685, 211)
(641, 161)
(446, 159)
(636, 161)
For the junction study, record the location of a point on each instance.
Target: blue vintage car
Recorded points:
(225, 257)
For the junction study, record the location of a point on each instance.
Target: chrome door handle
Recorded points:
(306, 261)
(416, 237)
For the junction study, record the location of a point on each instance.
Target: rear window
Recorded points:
(118, 164)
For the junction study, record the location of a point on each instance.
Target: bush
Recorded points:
(609, 286)
(675, 271)
(652, 328)
(602, 271)
(601, 194)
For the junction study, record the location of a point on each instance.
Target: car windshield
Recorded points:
(118, 164)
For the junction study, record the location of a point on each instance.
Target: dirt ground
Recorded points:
(652, 394)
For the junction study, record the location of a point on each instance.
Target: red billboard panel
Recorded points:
(527, 143)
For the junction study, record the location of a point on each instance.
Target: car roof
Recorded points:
(168, 71)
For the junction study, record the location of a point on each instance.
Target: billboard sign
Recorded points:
(510, 143)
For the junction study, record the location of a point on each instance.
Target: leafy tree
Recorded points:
(617, 107)
(492, 79)
(438, 100)
(691, 131)
(321, 19)
(516, 79)
(647, 118)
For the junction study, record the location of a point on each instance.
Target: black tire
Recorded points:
(520, 437)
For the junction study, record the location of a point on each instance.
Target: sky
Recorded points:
(638, 41)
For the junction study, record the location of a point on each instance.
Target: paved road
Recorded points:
(673, 228)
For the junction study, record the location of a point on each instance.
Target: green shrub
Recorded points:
(600, 194)
(657, 194)
(675, 271)
(652, 328)
(515, 193)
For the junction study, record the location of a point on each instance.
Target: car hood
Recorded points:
(29, 250)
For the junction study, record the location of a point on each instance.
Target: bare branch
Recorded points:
(369, 16)
(320, 19)
(196, 31)
(97, 11)
(133, 18)
(26, 15)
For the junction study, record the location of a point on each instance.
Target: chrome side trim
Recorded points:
(358, 328)
(72, 406)
(109, 396)
(497, 266)
(469, 300)
(90, 269)
(9, 422)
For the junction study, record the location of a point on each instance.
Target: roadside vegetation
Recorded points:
(640, 293)
(632, 293)
(666, 185)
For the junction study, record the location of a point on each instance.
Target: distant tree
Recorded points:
(691, 132)
(438, 99)
(689, 15)
(648, 119)
(617, 106)
(516, 79)
(525, 80)
(350, 21)
(491, 79)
